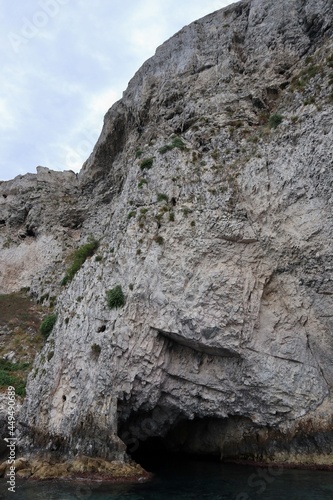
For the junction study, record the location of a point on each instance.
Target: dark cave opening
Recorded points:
(158, 438)
(154, 455)
(165, 434)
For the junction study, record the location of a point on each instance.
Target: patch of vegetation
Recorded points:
(131, 214)
(17, 380)
(21, 317)
(78, 259)
(115, 297)
(215, 154)
(312, 71)
(171, 217)
(98, 258)
(300, 81)
(165, 148)
(162, 197)
(12, 367)
(309, 100)
(138, 153)
(275, 120)
(142, 182)
(177, 142)
(147, 163)
(47, 325)
(253, 138)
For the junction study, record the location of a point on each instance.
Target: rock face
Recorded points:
(210, 192)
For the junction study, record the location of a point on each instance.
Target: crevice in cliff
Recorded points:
(198, 346)
(291, 360)
(314, 357)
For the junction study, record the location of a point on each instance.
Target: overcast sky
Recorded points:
(65, 62)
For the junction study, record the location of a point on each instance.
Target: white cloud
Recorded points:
(55, 91)
(7, 117)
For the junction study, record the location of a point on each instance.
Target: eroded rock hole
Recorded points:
(30, 232)
(153, 438)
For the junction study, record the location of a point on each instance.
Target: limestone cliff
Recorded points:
(210, 193)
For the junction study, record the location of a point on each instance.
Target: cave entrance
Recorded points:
(153, 439)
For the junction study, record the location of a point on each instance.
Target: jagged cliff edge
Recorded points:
(210, 192)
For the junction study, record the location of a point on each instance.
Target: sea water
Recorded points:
(190, 479)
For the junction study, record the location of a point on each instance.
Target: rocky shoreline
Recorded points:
(80, 469)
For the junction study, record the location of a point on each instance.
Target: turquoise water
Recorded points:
(192, 479)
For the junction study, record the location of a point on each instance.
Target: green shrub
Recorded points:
(177, 142)
(8, 366)
(142, 182)
(171, 217)
(98, 258)
(165, 148)
(312, 70)
(47, 325)
(138, 153)
(78, 259)
(275, 120)
(8, 378)
(146, 163)
(115, 297)
(309, 100)
(162, 197)
(131, 214)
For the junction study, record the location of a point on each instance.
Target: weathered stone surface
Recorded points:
(228, 276)
(44, 468)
